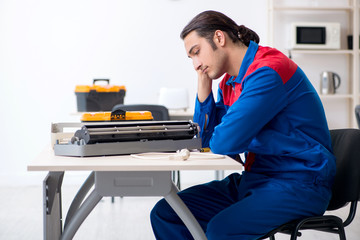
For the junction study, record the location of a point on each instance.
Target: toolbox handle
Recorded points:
(100, 79)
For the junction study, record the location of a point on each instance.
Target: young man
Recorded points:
(267, 109)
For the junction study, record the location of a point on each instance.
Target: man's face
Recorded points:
(205, 58)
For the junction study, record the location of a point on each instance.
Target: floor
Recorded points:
(126, 219)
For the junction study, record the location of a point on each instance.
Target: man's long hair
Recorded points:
(206, 23)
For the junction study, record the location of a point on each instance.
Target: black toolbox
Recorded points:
(94, 98)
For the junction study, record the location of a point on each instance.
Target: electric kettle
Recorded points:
(329, 82)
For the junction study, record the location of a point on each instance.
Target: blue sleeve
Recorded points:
(208, 114)
(263, 97)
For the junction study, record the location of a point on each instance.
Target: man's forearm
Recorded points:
(204, 87)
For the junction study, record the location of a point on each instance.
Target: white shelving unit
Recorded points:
(339, 107)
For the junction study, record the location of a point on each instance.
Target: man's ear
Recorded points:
(219, 37)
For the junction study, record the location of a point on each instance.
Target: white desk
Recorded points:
(115, 176)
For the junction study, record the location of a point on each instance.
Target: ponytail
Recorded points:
(246, 35)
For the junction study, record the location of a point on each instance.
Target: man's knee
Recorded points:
(216, 229)
(225, 227)
(160, 208)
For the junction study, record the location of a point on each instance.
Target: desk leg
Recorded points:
(79, 216)
(133, 183)
(184, 213)
(151, 183)
(80, 196)
(52, 205)
(219, 174)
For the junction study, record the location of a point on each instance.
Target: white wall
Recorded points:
(47, 47)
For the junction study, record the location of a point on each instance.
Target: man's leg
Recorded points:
(268, 203)
(246, 209)
(204, 201)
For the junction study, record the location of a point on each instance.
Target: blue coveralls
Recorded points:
(272, 113)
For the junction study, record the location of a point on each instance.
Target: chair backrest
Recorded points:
(159, 112)
(346, 147)
(357, 115)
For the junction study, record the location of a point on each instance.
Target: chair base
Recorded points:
(326, 223)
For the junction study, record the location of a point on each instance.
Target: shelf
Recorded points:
(340, 105)
(340, 8)
(336, 96)
(308, 51)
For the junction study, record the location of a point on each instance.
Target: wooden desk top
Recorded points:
(47, 161)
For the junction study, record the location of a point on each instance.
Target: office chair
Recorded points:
(159, 113)
(346, 189)
(357, 115)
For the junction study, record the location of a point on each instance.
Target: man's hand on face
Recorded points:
(204, 85)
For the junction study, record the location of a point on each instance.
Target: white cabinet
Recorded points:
(339, 107)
